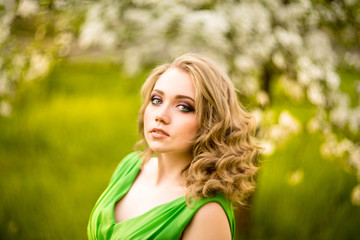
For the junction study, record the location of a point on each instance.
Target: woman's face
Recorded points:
(170, 122)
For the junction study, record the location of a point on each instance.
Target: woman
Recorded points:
(198, 160)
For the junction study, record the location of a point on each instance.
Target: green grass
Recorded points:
(68, 132)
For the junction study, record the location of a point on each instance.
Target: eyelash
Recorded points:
(186, 106)
(153, 98)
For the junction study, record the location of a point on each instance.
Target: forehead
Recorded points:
(175, 82)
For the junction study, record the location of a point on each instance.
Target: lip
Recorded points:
(158, 133)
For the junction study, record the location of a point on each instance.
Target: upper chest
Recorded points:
(144, 196)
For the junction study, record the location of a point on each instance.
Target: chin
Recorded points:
(158, 149)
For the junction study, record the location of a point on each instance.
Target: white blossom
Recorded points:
(5, 108)
(279, 60)
(58, 4)
(95, 31)
(262, 98)
(205, 23)
(352, 59)
(339, 116)
(245, 63)
(289, 122)
(313, 125)
(315, 94)
(259, 115)
(269, 147)
(332, 80)
(292, 89)
(354, 159)
(320, 48)
(27, 8)
(288, 39)
(39, 66)
(333, 148)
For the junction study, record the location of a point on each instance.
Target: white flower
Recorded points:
(319, 48)
(245, 63)
(339, 116)
(308, 71)
(352, 59)
(354, 159)
(279, 60)
(258, 114)
(19, 61)
(289, 122)
(64, 38)
(277, 133)
(95, 31)
(269, 147)
(4, 33)
(58, 4)
(292, 88)
(328, 148)
(5, 108)
(315, 94)
(350, 2)
(313, 125)
(346, 146)
(27, 8)
(333, 148)
(206, 26)
(250, 18)
(262, 98)
(354, 120)
(288, 39)
(39, 66)
(333, 80)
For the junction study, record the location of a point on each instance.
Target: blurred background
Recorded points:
(70, 77)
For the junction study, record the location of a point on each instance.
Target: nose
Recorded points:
(163, 115)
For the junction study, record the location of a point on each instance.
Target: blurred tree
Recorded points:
(297, 44)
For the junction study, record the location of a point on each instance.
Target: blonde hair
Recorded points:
(224, 150)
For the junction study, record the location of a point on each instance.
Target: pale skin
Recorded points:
(170, 125)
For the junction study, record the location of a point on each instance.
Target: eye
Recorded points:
(155, 100)
(185, 108)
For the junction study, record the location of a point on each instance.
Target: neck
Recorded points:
(169, 167)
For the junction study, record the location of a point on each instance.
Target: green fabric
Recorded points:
(166, 221)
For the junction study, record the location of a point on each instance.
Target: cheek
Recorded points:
(146, 116)
(192, 128)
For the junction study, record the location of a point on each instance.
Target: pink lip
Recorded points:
(158, 133)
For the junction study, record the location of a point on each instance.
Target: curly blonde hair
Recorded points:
(224, 150)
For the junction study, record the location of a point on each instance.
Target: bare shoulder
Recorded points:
(209, 222)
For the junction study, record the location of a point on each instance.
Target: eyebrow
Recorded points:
(177, 96)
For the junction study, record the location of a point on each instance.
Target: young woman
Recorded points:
(198, 160)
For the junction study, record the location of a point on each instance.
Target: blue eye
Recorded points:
(155, 100)
(185, 108)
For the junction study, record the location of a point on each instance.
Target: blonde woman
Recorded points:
(198, 160)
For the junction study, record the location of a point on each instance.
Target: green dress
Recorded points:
(166, 221)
